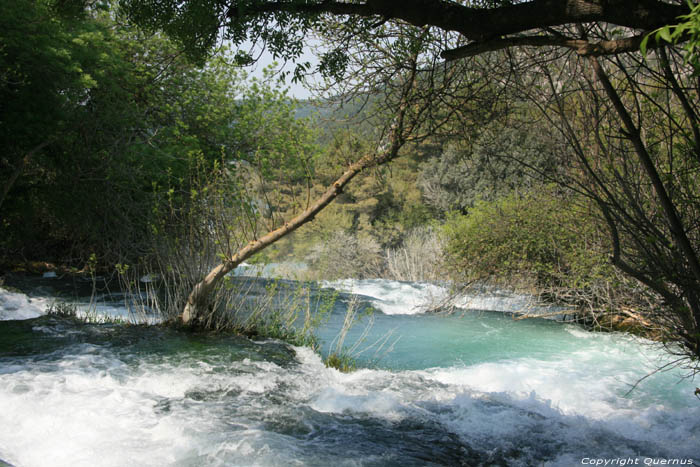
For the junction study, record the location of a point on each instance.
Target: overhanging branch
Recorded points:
(481, 24)
(581, 46)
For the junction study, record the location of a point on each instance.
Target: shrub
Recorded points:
(542, 242)
(341, 362)
(419, 258)
(345, 254)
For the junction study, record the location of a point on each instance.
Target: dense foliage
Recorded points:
(103, 123)
(570, 151)
(543, 241)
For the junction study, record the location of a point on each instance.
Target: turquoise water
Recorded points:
(470, 388)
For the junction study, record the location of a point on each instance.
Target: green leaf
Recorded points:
(643, 45)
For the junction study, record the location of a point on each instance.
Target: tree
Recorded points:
(572, 29)
(40, 81)
(487, 25)
(402, 129)
(93, 109)
(632, 128)
(499, 159)
(686, 31)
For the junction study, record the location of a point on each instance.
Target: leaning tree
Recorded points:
(641, 168)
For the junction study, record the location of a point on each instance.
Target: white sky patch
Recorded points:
(266, 59)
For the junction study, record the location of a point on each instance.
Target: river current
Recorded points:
(476, 387)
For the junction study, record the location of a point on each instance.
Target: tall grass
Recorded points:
(252, 306)
(343, 357)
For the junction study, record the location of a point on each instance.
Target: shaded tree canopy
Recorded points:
(480, 25)
(92, 109)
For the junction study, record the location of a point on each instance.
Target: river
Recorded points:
(475, 387)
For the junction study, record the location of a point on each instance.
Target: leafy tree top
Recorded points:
(482, 25)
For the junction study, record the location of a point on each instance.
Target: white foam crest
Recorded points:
(92, 408)
(568, 391)
(329, 391)
(393, 297)
(83, 416)
(19, 306)
(573, 404)
(397, 297)
(495, 300)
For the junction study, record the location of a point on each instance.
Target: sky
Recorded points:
(295, 89)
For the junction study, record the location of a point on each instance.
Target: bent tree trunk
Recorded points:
(387, 150)
(197, 301)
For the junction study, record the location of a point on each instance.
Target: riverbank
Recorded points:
(430, 296)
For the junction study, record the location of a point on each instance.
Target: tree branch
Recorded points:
(483, 23)
(387, 151)
(633, 134)
(581, 46)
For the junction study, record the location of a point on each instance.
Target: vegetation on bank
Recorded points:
(105, 127)
(124, 155)
(560, 173)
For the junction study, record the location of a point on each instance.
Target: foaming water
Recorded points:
(393, 297)
(398, 297)
(19, 306)
(477, 388)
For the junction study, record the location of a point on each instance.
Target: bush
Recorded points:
(345, 255)
(419, 258)
(541, 242)
(341, 362)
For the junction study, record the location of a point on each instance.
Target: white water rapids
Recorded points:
(468, 389)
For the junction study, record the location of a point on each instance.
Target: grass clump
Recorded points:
(89, 316)
(63, 309)
(343, 362)
(344, 357)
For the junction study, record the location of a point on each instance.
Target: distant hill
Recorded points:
(331, 117)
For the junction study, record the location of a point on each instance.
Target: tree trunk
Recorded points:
(197, 300)
(387, 150)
